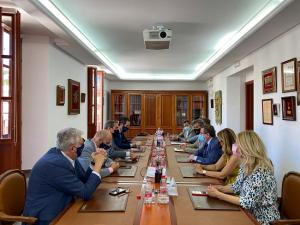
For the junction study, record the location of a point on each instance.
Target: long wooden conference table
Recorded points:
(179, 211)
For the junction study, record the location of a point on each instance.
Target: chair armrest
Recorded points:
(286, 222)
(25, 219)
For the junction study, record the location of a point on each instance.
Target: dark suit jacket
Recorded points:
(53, 183)
(209, 153)
(124, 138)
(118, 140)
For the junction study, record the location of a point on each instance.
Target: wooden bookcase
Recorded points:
(148, 110)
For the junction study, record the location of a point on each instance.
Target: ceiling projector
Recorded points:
(157, 38)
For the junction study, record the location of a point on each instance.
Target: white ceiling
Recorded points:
(115, 28)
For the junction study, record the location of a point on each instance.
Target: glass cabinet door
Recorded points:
(135, 108)
(182, 106)
(198, 110)
(119, 106)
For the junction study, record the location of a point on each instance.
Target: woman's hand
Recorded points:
(212, 191)
(198, 169)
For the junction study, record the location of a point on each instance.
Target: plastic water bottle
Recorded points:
(172, 188)
(159, 137)
(148, 193)
(163, 197)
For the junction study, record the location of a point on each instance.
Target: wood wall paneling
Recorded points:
(159, 109)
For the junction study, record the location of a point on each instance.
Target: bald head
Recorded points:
(102, 136)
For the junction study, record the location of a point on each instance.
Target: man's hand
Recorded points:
(99, 159)
(133, 156)
(101, 151)
(183, 146)
(115, 166)
(191, 158)
(138, 143)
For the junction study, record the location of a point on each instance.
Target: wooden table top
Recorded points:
(179, 211)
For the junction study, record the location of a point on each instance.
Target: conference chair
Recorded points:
(12, 195)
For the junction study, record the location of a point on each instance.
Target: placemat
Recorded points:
(125, 172)
(188, 172)
(102, 201)
(182, 159)
(205, 202)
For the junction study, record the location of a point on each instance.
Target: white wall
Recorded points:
(35, 94)
(44, 67)
(281, 139)
(61, 68)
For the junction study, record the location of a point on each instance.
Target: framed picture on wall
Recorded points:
(298, 83)
(60, 95)
(269, 79)
(267, 111)
(276, 109)
(288, 108)
(288, 75)
(218, 107)
(73, 97)
(82, 97)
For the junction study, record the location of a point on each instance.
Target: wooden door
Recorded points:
(135, 107)
(10, 91)
(249, 104)
(95, 101)
(119, 105)
(167, 108)
(150, 113)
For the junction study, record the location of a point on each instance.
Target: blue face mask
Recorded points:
(201, 138)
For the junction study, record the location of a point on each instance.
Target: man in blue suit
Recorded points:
(211, 150)
(58, 177)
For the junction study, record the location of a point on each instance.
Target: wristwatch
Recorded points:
(203, 172)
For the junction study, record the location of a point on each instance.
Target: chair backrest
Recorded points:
(290, 197)
(12, 192)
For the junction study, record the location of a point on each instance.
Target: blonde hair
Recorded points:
(228, 137)
(253, 152)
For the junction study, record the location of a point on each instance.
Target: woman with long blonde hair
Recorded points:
(227, 166)
(255, 184)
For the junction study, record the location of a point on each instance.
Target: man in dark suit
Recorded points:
(211, 151)
(124, 124)
(113, 150)
(58, 177)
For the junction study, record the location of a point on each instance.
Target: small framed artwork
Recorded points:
(82, 97)
(267, 111)
(211, 103)
(60, 95)
(288, 75)
(288, 108)
(73, 97)
(276, 109)
(269, 79)
(298, 83)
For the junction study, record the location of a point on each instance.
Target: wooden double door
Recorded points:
(148, 110)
